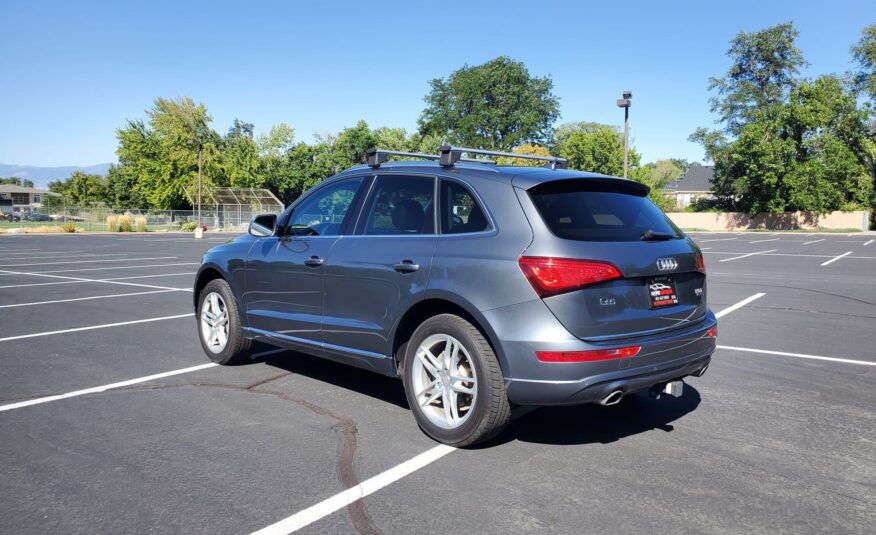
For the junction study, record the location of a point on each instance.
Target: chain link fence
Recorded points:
(91, 218)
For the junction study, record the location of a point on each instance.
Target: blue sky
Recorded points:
(73, 72)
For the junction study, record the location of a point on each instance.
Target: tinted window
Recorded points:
(598, 212)
(323, 212)
(400, 205)
(460, 212)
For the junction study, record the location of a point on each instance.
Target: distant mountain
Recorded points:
(43, 175)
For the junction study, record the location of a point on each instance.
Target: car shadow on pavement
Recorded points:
(343, 376)
(589, 424)
(580, 424)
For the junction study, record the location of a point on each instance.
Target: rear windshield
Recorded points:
(575, 210)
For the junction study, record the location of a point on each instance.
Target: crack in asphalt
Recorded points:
(345, 427)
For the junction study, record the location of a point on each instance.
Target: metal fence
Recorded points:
(94, 218)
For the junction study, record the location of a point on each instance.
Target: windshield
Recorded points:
(575, 210)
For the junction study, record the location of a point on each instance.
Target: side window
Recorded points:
(400, 205)
(322, 213)
(460, 212)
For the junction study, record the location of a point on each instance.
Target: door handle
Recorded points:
(314, 261)
(406, 266)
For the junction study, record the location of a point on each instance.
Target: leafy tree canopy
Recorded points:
(497, 106)
(763, 67)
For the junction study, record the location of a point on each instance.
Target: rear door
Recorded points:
(661, 282)
(373, 276)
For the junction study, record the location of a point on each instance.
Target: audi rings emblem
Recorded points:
(666, 264)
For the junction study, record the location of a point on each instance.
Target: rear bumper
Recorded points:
(529, 328)
(596, 387)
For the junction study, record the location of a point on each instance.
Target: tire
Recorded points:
(471, 417)
(236, 347)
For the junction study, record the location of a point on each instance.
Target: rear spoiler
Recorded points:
(585, 183)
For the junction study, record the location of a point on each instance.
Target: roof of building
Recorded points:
(12, 188)
(697, 179)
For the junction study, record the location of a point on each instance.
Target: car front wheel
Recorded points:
(219, 325)
(454, 383)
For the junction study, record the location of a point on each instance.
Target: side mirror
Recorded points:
(263, 225)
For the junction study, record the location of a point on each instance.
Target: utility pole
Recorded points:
(625, 104)
(200, 150)
(200, 145)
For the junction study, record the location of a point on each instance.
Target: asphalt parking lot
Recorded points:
(112, 420)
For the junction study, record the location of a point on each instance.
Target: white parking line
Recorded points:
(93, 327)
(834, 259)
(37, 251)
(759, 241)
(798, 355)
(103, 388)
(798, 255)
(106, 281)
(345, 498)
(738, 305)
(85, 298)
(77, 280)
(747, 255)
(718, 239)
(813, 241)
(92, 261)
(77, 270)
(868, 243)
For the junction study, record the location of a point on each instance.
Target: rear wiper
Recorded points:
(651, 235)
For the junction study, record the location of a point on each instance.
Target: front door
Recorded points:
(374, 275)
(284, 276)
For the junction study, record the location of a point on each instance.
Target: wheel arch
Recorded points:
(432, 305)
(205, 274)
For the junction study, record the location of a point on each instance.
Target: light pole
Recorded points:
(625, 104)
(200, 150)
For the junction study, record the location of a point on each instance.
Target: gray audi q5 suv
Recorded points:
(481, 286)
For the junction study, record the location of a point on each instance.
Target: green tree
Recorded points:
(82, 189)
(598, 150)
(497, 106)
(17, 181)
(864, 54)
(764, 66)
(526, 148)
(121, 190)
(810, 156)
(163, 154)
(240, 157)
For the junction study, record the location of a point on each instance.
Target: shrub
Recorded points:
(125, 223)
(188, 226)
(140, 223)
(112, 223)
(68, 227)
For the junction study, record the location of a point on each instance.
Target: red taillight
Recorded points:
(712, 332)
(552, 276)
(588, 356)
(701, 263)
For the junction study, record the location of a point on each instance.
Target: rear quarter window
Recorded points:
(576, 210)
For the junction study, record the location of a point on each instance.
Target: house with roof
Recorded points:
(22, 199)
(696, 183)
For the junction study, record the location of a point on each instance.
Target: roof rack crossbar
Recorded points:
(451, 155)
(375, 157)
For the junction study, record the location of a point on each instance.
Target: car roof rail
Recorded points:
(450, 155)
(375, 157)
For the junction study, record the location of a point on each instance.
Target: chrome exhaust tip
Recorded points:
(701, 371)
(612, 399)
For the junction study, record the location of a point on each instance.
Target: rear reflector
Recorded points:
(701, 263)
(552, 276)
(588, 356)
(712, 332)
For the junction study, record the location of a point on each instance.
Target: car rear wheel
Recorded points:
(219, 325)
(453, 382)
